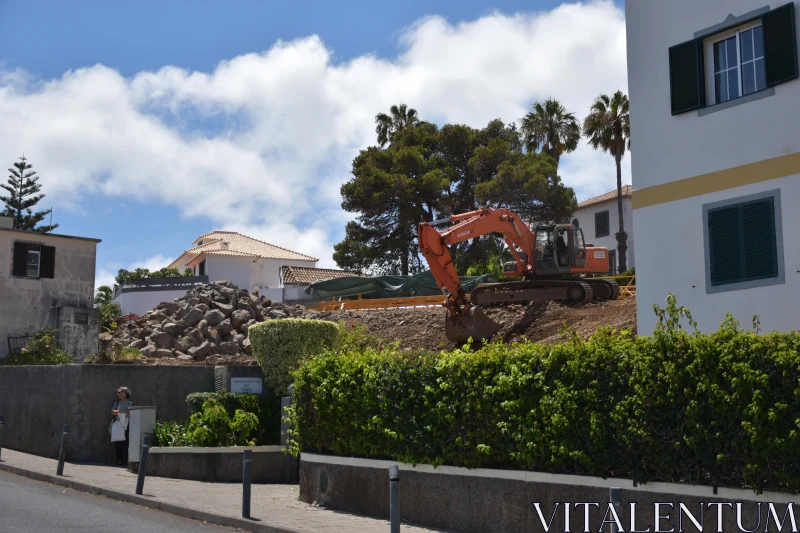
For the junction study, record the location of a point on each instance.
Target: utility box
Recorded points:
(142, 423)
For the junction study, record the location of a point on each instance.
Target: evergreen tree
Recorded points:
(23, 189)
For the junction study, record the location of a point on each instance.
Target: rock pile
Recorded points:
(209, 320)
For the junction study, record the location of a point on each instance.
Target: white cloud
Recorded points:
(289, 121)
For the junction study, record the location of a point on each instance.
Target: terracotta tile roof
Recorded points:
(305, 275)
(607, 197)
(243, 246)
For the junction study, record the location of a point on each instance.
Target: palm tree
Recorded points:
(550, 128)
(401, 117)
(608, 127)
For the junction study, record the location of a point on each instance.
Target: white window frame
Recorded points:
(708, 46)
(38, 263)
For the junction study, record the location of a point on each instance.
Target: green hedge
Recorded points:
(268, 411)
(280, 346)
(718, 409)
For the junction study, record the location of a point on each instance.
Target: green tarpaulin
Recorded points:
(421, 284)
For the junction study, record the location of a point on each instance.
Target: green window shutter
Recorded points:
(759, 240)
(725, 246)
(780, 45)
(742, 242)
(686, 86)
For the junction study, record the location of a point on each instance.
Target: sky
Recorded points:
(151, 123)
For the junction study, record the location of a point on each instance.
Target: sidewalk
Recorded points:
(275, 508)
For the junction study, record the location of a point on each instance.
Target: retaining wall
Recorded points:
(216, 464)
(38, 400)
(502, 501)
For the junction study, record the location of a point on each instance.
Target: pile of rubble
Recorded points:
(209, 321)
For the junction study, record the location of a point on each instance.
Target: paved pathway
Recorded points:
(276, 508)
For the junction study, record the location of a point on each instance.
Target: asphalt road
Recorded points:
(28, 506)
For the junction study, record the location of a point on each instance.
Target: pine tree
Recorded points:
(23, 188)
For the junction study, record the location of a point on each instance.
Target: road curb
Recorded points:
(185, 512)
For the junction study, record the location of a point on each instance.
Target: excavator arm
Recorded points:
(433, 245)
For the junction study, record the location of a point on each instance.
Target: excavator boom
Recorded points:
(558, 256)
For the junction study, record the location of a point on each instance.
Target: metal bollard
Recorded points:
(1, 435)
(615, 494)
(247, 464)
(394, 503)
(62, 452)
(142, 465)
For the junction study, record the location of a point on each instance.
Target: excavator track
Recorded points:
(604, 289)
(568, 291)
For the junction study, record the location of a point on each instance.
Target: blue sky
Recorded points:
(151, 123)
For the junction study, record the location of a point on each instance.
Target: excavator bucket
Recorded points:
(473, 324)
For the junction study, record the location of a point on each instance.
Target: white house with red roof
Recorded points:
(598, 217)
(249, 263)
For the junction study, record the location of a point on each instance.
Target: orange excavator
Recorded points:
(543, 257)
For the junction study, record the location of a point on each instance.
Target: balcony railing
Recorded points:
(160, 284)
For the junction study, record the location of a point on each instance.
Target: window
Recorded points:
(203, 267)
(33, 260)
(743, 57)
(743, 242)
(81, 318)
(34, 255)
(602, 227)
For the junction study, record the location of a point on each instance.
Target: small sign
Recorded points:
(246, 385)
(599, 255)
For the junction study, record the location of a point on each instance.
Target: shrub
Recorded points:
(42, 350)
(281, 345)
(266, 410)
(718, 409)
(171, 433)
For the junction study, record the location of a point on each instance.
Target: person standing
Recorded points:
(120, 412)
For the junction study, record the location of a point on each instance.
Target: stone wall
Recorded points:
(502, 501)
(222, 465)
(38, 400)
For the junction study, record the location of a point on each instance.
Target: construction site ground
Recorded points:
(424, 327)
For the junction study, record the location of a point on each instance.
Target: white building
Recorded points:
(296, 279)
(598, 217)
(715, 122)
(220, 255)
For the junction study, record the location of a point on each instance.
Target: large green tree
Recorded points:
(608, 127)
(392, 190)
(428, 173)
(399, 118)
(550, 128)
(23, 194)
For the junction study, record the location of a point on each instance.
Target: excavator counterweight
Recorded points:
(548, 258)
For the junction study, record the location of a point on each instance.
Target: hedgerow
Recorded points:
(718, 409)
(280, 346)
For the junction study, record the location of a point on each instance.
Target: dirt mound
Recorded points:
(424, 327)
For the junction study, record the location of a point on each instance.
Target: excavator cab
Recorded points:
(559, 249)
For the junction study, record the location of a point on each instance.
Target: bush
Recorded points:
(281, 345)
(209, 427)
(42, 350)
(717, 409)
(266, 410)
(171, 433)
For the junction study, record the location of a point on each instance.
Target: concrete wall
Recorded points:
(38, 400)
(501, 501)
(217, 464)
(670, 252)
(229, 268)
(27, 304)
(142, 302)
(585, 218)
(267, 272)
